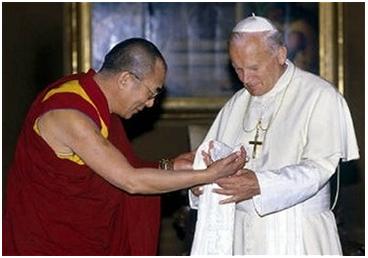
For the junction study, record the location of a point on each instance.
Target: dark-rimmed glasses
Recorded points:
(153, 94)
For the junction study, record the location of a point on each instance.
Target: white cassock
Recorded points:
(305, 129)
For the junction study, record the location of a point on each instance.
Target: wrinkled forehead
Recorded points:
(250, 43)
(250, 52)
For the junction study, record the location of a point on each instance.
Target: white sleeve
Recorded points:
(290, 185)
(325, 145)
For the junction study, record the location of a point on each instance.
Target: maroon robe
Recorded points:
(55, 206)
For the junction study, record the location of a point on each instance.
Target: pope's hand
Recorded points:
(241, 186)
(197, 190)
(184, 161)
(207, 156)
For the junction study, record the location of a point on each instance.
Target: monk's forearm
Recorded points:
(152, 181)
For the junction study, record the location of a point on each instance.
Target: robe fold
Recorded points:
(306, 128)
(57, 205)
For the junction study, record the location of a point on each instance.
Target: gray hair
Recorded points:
(274, 39)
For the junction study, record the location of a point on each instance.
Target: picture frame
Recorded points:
(80, 48)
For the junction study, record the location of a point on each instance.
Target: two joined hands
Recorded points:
(240, 186)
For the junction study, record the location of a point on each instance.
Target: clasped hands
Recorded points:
(241, 186)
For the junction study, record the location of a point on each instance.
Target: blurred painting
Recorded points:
(300, 25)
(193, 38)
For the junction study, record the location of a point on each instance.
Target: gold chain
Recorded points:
(259, 123)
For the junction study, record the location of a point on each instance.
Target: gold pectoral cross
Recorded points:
(255, 143)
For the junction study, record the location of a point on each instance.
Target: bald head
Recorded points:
(135, 55)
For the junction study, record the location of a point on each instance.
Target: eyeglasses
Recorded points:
(153, 94)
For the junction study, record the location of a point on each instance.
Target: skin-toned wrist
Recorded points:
(242, 186)
(256, 188)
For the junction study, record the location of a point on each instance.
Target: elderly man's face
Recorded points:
(256, 65)
(139, 93)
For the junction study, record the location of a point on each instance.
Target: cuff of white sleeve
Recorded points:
(261, 202)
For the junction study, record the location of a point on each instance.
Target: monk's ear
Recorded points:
(282, 55)
(123, 79)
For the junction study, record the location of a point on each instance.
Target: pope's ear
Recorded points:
(123, 78)
(282, 55)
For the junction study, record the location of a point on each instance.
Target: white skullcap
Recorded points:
(254, 24)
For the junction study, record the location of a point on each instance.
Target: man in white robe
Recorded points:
(295, 127)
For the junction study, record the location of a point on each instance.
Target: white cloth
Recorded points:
(301, 149)
(215, 223)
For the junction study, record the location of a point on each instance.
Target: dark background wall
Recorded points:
(352, 196)
(33, 56)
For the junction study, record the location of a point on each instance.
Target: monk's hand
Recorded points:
(241, 186)
(184, 161)
(229, 165)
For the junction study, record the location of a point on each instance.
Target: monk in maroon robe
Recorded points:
(74, 185)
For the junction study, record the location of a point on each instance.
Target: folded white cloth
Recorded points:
(215, 223)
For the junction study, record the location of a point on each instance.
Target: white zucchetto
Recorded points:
(254, 24)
